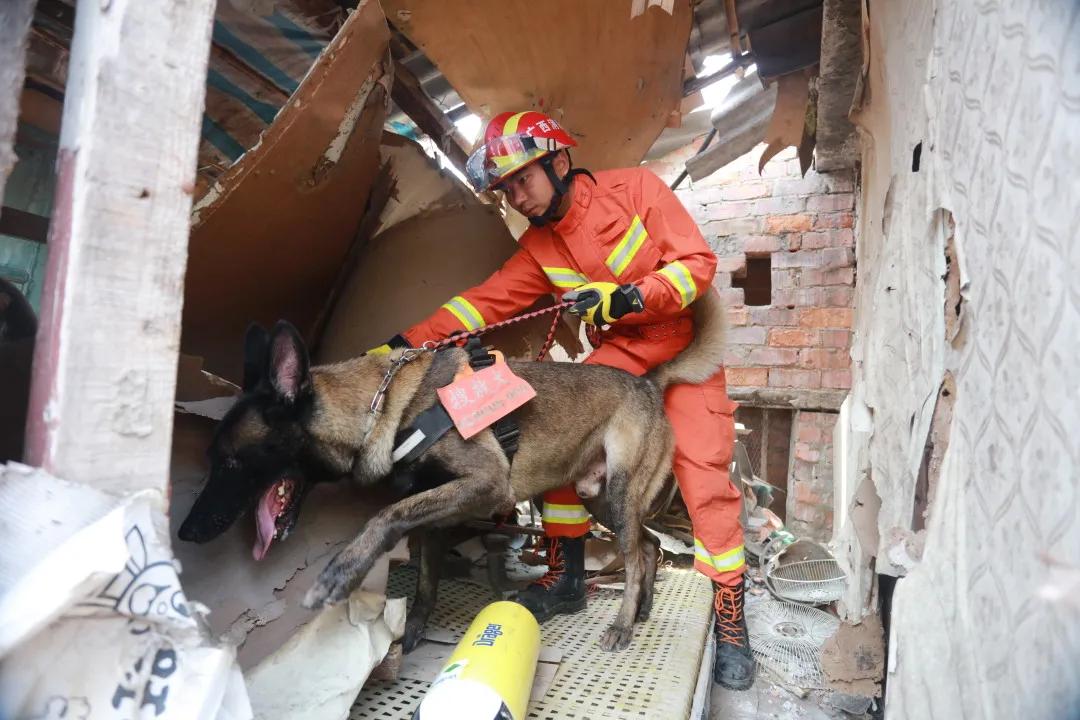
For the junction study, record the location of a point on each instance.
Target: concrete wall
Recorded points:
(964, 409)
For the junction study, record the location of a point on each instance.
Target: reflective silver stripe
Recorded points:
(680, 277)
(564, 513)
(464, 311)
(624, 252)
(406, 447)
(565, 277)
(731, 560)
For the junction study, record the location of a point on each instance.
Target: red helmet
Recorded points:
(512, 141)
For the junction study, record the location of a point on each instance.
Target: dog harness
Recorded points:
(432, 424)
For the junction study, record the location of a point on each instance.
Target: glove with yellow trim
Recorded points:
(393, 343)
(602, 303)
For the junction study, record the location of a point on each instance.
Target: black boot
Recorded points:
(562, 589)
(733, 666)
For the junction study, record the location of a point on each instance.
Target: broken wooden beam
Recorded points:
(408, 94)
(101, 402)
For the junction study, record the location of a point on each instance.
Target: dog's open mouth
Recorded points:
(271, 515)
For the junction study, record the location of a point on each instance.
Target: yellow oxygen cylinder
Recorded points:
(490, 674)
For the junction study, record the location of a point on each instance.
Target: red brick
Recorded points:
(836, 338)
(779, 206)
(734, 226)
(810, 297)
(815, 240)
(812, 184)
(737, 355)
(808, 433)
(746, 336)
(731, 264)
(840, 379)
(788, 223)
(827, 318)
(837, 257)
(785, 278)
(781, 377)
(726, 210)
(784, 298)
(827, 221)
(824, 359)
(732, 297)
(761, 244)
(773, 316)
(839, 276)
(745, 376)
(806, 453)
(839, 296)
(745, 191)
(738, 315)
(785, 337)
(830, 203)
(805, 494)
(773, 356)
(800, 258)
(793, 241)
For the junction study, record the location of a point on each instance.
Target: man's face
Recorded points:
(528, 190)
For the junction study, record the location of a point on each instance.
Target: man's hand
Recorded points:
(602, 303)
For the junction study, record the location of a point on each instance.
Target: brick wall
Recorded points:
(793, 352)
(810, 489)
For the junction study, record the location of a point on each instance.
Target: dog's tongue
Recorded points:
(265, 526)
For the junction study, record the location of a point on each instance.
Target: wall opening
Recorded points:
(768, 446)
(756, 282)
(916, 157)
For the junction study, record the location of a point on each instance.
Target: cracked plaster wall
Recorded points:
(983, 623)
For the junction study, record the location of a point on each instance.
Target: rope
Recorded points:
(458, 338)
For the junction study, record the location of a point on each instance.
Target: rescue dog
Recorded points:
(294, 425)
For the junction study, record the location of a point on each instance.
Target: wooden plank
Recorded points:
(105, 363)
(15, 18)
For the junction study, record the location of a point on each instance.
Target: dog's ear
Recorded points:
(290, 374)
(256, 345)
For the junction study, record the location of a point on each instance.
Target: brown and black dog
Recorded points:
(294, 425)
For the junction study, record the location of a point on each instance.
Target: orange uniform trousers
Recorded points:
(701, 416)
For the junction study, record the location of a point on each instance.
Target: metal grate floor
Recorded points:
(654, 679)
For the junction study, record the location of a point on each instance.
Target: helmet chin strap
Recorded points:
(561, 186)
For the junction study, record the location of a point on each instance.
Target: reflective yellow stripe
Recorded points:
(464, 311)
(724, 562)
(627, 248)
(564, 514)
(511, 125)
(680, 277)
(565, 277)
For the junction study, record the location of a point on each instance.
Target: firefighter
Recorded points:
(622, 245)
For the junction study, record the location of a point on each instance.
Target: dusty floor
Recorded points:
(767, 701)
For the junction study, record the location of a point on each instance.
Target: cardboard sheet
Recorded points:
(268, 238)
(612, 75)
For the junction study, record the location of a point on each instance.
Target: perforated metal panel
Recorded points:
(653, 679)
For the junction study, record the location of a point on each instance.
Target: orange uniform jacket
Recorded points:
(627, 228)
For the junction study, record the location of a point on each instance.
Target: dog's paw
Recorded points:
(616, 638)
(643, 612)
(413, 634)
